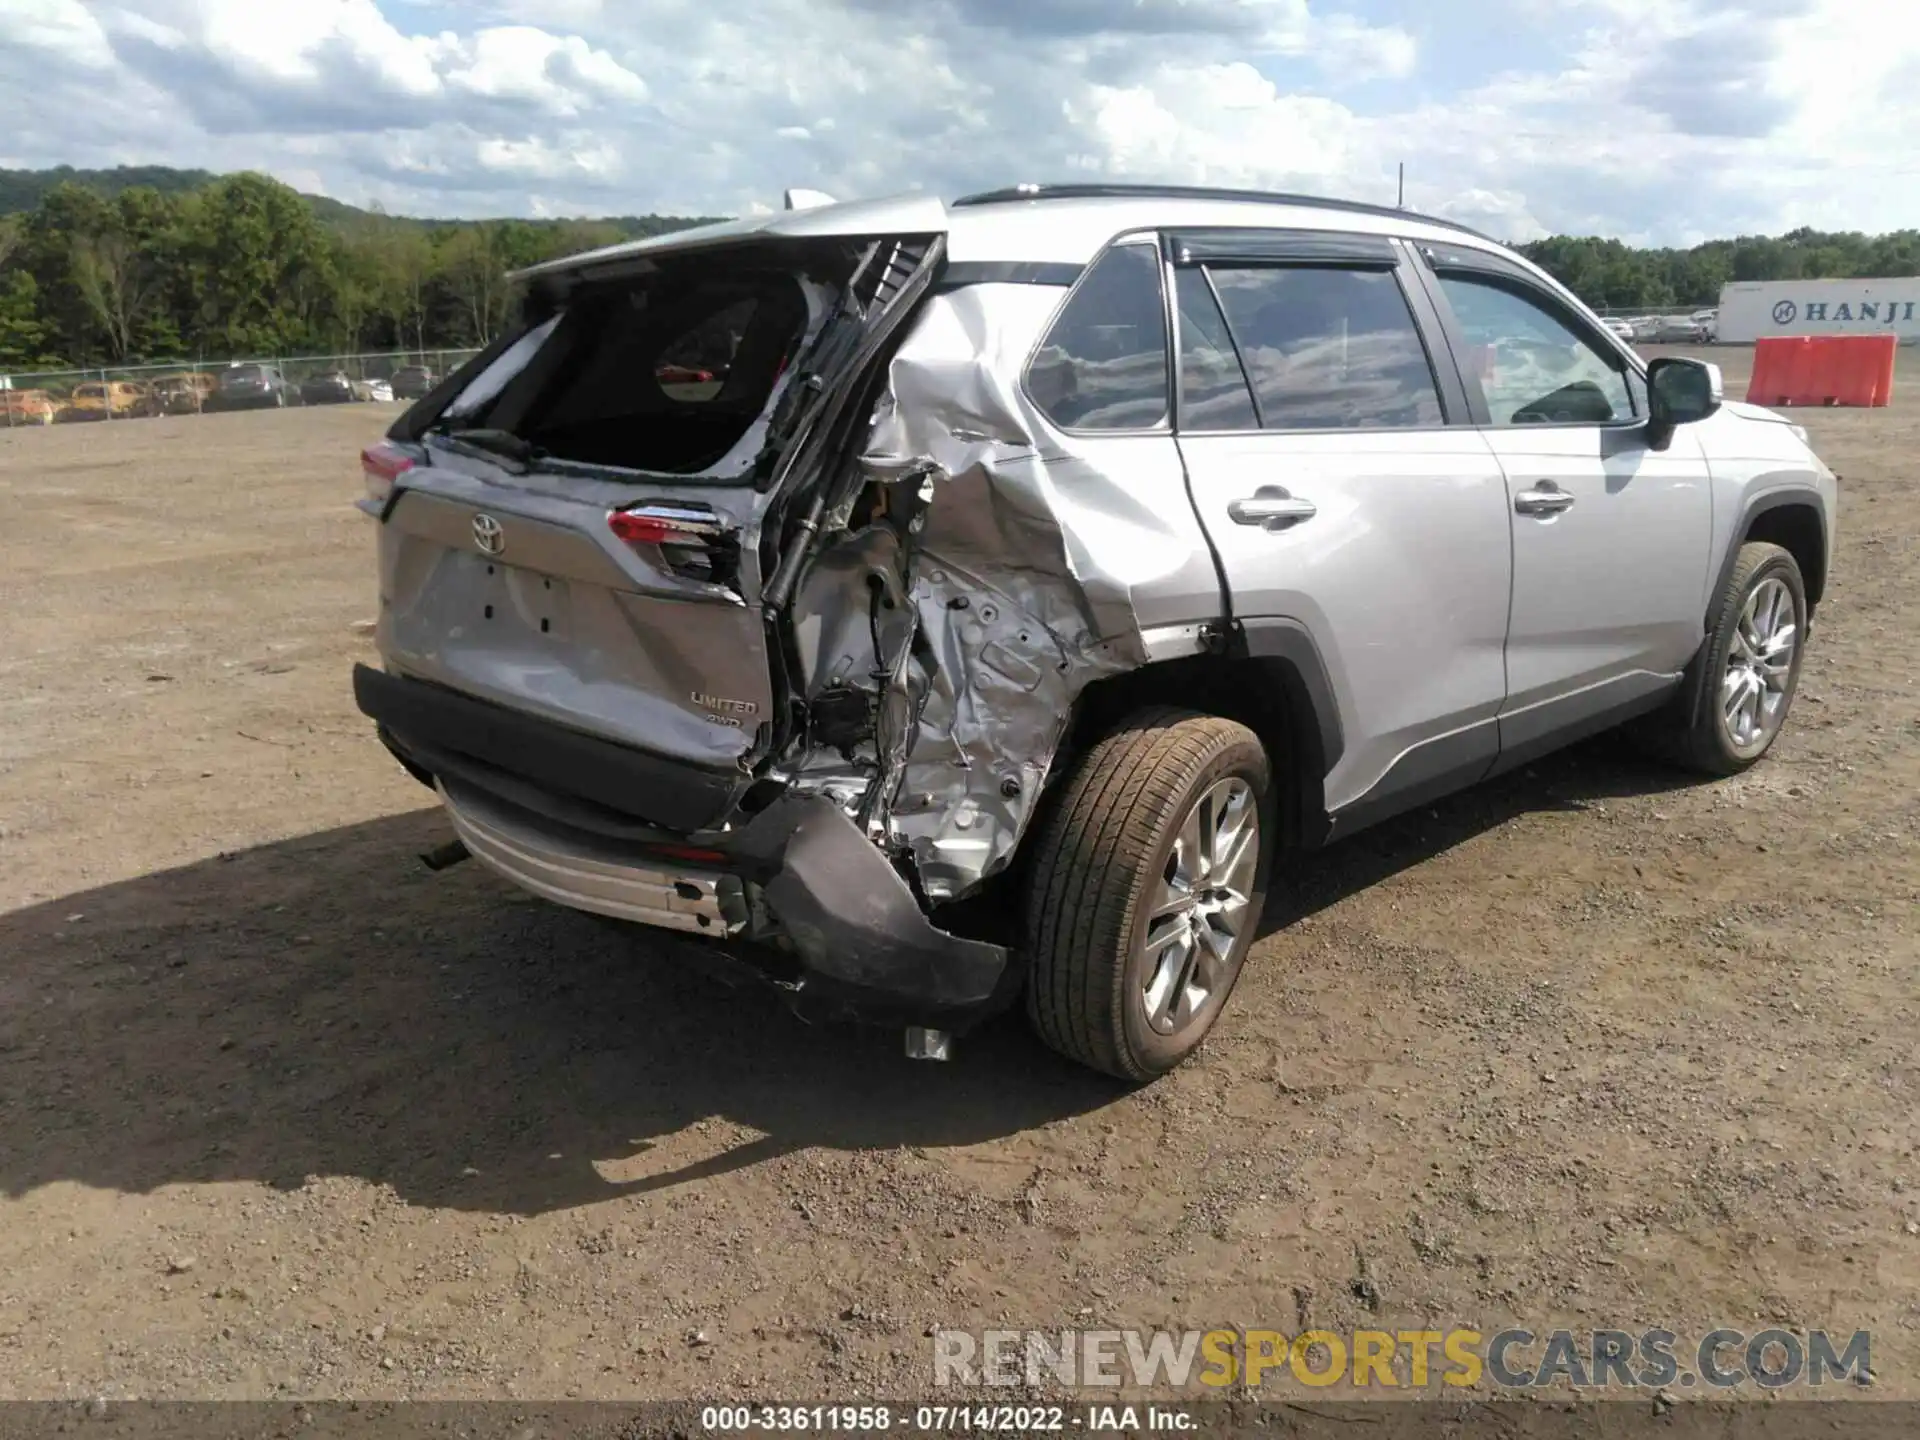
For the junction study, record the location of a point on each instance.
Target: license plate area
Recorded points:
(524, 601)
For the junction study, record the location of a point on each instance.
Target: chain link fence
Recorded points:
(193, 387)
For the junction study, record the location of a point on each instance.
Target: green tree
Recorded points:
(475, 276)
(64, 220)
(23, 334)
(123, 267)
(258, 263)
(400, 266)
(356, 290)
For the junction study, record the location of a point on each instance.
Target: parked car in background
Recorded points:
(109, 399)
(252, 387)
(329, 387)
(410, 382)
(988, 635)
(1709, 323)
(27, 407)
(184, 394)
(1678, 330)
(1622, 328)
(336, 387)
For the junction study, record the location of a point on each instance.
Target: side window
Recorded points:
(1103, 365)
(1533, 368)
(1213, 387)
(1328, 349)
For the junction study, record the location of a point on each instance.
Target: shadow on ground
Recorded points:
(1605, 768)
(324, 1007)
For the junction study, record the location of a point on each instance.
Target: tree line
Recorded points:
(245, 266)
(1610, 275)
(114, 268)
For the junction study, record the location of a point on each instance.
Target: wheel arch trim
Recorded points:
(1786, 497)
(1783, 498)
(1287, 640)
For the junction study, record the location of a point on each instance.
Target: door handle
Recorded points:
(1272, 508)
(1546, 498)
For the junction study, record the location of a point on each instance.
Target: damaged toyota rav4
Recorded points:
(948, 607)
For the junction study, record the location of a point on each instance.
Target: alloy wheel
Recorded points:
(1200, 908)
(1754, 690)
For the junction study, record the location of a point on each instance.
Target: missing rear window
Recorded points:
(666, 375)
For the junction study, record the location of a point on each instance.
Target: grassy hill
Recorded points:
(22, 190)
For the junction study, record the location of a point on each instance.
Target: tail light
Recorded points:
(651, 527)
(382, 465)
(691, 541)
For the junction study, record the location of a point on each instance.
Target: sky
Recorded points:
(1657, 121)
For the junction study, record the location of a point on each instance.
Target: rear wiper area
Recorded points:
(494, 442)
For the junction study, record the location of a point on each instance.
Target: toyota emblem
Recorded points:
(488, 535)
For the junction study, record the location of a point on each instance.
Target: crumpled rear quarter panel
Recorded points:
(1044, 561)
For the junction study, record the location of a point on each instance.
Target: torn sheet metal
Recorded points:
(1031, 563)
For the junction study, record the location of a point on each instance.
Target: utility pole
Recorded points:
(1401, 203)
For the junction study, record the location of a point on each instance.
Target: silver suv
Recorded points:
(945, 607)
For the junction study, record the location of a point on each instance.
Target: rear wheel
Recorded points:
(1147, 889)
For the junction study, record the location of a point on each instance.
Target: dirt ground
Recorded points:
(283, 1114)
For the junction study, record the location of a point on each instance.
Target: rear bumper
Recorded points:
(666, 793)
(590, 873)
(851, 936)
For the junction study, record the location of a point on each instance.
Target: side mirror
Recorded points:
(1679, 392)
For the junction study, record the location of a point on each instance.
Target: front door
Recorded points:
(1315, 434)
(1610, 537)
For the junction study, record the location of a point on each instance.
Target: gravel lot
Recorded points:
(283, 1114)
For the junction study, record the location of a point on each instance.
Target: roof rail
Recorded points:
(1204, 192)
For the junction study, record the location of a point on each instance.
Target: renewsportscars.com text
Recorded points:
(1511, 1359)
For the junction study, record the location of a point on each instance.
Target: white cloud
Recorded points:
(1642, 118)
(295, 44)
(1496, 212)
(1214, 124)
(559, 74)
(61, 31)
(575, 157)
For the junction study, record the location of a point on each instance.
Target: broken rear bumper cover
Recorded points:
(863, 945)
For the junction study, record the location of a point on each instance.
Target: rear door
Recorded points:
(1331, 465)
(1610, 537)
(580, 536)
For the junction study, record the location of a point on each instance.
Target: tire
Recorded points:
(1111, 851)
(1703, 735)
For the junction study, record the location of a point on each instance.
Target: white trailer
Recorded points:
(1752, 309)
